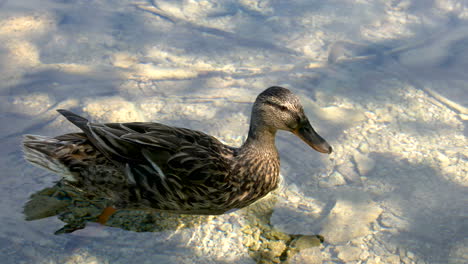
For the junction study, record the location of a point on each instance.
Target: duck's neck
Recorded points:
(257, 168)
(260, 136)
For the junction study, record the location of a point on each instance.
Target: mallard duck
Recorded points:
(143, 165)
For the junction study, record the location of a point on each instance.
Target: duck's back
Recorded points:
(139, 164)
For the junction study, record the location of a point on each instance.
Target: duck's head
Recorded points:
(278, 108)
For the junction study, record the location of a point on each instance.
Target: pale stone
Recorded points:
(459, 252)
(225, 227)
(349, 172)
(277, 247)
(306, 242)
(73, 68)
(348, 253)
(406, 260)
(364, 163)
(444, 160)
(123, 60)
(401, 252)
(153, 72)
(390, 220)
(112, 109)
(23, 26)
(336, 178)
(342, 115)
(350, 217)
(364, 255)
(309, 256)
(392, 259)
(364, 148)
(383, 116)
(32, 104)
(23, 53)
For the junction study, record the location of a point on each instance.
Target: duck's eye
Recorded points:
(294, 126)
(278, 106)
(282, 108)
(294, 123)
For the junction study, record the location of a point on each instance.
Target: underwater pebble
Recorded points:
(383, 116)
(348, 253)
(335, 179)
(225, 227)
(342, 115)
(459, 252)
(364, 164)
(348, 171)
(306, 242)
(350, 217)
(392, 260)
(32, 104)
(309, 256)
(114, 109)
(406, 260)
(277, 246)
(444, 160)
(124, 60)
(390, 220)
(401, 252)
(248, 241)
(375, 260)
(247, 231)
(364, 255)
(364, 147)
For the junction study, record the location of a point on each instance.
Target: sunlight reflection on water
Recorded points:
(384, 82)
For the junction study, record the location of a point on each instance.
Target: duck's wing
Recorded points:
(156, 155)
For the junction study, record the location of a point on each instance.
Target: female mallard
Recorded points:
(153, 166)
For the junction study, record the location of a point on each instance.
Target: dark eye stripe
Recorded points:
(280, 107)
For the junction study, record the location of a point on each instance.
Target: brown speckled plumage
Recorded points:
(154, 166)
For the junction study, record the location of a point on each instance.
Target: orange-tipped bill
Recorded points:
(309, 136)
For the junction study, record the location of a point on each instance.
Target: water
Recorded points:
(383, 81)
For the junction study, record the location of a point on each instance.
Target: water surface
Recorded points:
(383, 81)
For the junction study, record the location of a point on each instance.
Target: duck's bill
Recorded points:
(309, 136)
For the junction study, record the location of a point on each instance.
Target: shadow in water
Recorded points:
(424, 211)
(76, 209)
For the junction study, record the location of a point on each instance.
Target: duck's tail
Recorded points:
(77, 120)
(42, 152)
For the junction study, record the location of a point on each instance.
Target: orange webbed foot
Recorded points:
(106, 214)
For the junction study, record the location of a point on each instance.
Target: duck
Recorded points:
(152, 166)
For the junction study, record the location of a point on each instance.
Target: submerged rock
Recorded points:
(309, 256)
(350, 217)
(459, 253)
(348, 253)
(349, 172)
(335, 179)
(364, 163)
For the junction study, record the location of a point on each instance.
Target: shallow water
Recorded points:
(383, 81)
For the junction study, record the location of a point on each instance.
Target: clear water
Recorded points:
(383, 81)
